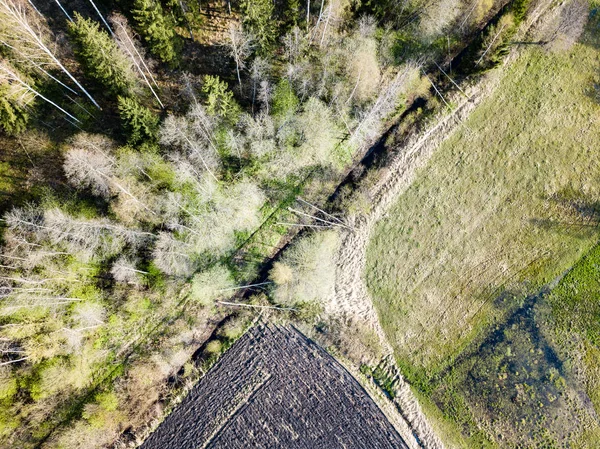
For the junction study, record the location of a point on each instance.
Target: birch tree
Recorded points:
(240, 47)
(195, 135)
(124, 271)
(22, 28)
(88, 165)
(306, 271)
(211, 285)
(258, 72)
(128, 44)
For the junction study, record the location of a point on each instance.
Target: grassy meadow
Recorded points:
(508, 203)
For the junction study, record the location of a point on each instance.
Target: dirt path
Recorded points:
(351, 296)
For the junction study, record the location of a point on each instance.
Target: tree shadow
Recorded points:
(513, 378)
(582, 214)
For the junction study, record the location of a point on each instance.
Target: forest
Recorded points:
(169, 169)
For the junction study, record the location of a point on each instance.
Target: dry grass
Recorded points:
(505, 205)
(494, 208)
(501, 206)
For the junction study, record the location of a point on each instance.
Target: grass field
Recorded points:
(505, 205)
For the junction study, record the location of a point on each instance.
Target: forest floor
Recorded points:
(507, 203)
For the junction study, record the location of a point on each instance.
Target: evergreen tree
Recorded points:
(139, 122)
(220, 101)
(157, 29)
(291, 14)
(259, 21)
(13, 118)
(100, 57)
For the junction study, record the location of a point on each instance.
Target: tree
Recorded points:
(195, 135)
(123, 270)
(13, 113)
(172, 256)
(258, 72)
(211, 285)
(157, 29)
(100, 57)
(259, 134)
(126, 42)
(259, 21)
(306, 271)
(18, 92)
(139, 122)
(320, 135)
(240, 47)
(88, 165)
(565, 30)
(285, 101)
(22, 29)
(292, 13)
(220, 101)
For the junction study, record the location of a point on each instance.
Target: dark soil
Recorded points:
(275, 388)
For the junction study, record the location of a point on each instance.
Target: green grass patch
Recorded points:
(576, 311)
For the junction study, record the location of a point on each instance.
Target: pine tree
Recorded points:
(157, 29)
(100, 57)
(139, 122)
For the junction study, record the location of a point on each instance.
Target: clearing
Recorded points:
(505, 205)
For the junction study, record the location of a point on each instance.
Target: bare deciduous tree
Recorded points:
(194, 134)
(258, 72)
(23, 29)
(306, 271)
(211, 285)
(123, 270)
(89, 165)
(567, 28)
(264, 94)
(240, 46)
(126, 41)
(172, 256)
